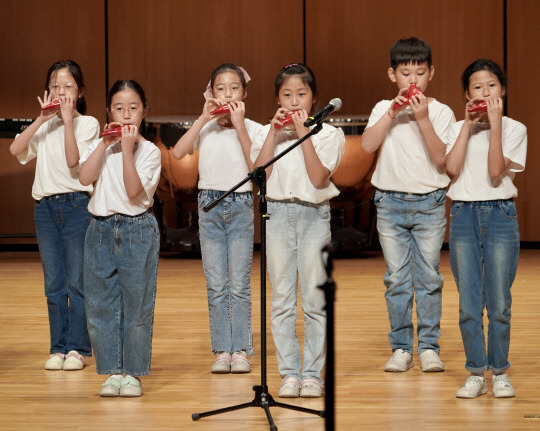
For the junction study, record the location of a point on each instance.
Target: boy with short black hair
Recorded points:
(410, 183)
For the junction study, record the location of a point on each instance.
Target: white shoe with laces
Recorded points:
(502, 387)
(430, 362)
(473, 387)
(399, 362)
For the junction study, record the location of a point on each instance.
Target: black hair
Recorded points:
(304, 72)
(228, 67)
(123, 84)
(76, 72)
(411, 50)
(483, 64)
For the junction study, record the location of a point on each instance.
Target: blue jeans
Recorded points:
(61, 222)
(226, 235)
(484, 250)
(411, 231)
(296, 233)
(120, 271)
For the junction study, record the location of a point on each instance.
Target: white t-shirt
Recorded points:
(404, 164)
(289, 178)
(221, 161)
(53, 176)
(110, 195)
(473, 183)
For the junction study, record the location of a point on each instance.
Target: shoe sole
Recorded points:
(471, 398)
(109, 394)
(398, 370)
(435, 369)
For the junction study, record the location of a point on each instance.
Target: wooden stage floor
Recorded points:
(367, 398)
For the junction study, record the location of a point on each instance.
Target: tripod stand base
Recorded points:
(264, 400)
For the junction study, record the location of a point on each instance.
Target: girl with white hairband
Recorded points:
(224, 137)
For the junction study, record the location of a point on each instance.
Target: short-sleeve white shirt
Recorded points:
(289, 178)
(473, 183)
(221, 160)
(110, 195)
(53, 176)
(404, 164)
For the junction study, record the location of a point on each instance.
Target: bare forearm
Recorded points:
(184, 145)
(318, 174)
(132, 181)
(89, 171)
(373, 136)
(497, 164)
(435, 146)
(71, 149)
(20, 144)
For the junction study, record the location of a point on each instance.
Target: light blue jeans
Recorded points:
(226, 235)
(296, 233)
(120, 271)
(484, 250)
(61, 222)
(411, 231)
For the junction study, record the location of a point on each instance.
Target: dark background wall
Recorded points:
(171, 47)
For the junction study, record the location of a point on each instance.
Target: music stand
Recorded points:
(262, 398)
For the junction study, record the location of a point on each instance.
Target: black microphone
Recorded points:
(334, 105)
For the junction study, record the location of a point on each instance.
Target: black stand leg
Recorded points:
(262, 398)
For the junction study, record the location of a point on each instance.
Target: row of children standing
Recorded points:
(100, 253)
(410, 180)
(420, 142)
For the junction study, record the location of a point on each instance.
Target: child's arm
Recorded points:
(185, 143)
(238, 110)
(497, 163)
(20, 144)
(318, 174)
(373, 136)
(435, 146)
(89, 170)
(456, 156)
(132, 181)
(268, 149)
(70, 143)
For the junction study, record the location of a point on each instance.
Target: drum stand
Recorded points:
(262, 398)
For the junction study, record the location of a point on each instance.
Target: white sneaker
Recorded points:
(473, 387)
(55, 362)
(73, 361)
(400, 361)
(130, 387)
(222, 364)
(290, 388)
(239, 362)
(430, 362)
(311, 388)
(502, 387)
(111, 387)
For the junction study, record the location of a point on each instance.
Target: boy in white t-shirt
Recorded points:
(410, 183)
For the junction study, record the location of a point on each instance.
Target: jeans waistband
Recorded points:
(484, 203)
(299, 202)
(395, 192)
(124, 217)
(65, 196)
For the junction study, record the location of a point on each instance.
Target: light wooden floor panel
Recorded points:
(181, 384)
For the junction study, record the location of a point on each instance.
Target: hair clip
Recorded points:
(290, 65)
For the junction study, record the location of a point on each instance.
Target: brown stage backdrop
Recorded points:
(171, 47)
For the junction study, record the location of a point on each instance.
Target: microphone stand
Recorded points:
(329, 288)
(263, 398)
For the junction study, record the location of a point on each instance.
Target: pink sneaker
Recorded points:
(240, 363)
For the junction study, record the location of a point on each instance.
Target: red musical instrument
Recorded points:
(223, 109)
(51, 107)
(287, 120)
(116, 131)
(478, 107)
(413, 91)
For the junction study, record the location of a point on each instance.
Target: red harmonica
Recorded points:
(478, 107)
(116, 131)
(287, 120)
(223, 109)
(52, 107)
(413, 91)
